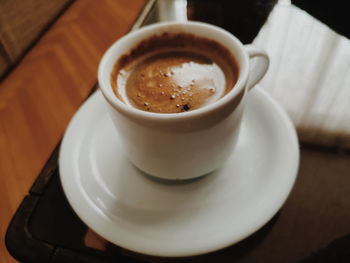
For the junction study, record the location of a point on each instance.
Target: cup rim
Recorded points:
(125, 109)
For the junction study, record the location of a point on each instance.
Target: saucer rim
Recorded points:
(77, 199)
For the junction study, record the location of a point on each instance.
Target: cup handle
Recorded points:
(262, 64)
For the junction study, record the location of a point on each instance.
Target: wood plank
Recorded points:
(39, 97)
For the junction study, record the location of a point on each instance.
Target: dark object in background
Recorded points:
(242, 18)
(333, 13)
(337, 251)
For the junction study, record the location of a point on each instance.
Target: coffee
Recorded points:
(174, 73)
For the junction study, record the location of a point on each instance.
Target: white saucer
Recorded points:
(159, 218)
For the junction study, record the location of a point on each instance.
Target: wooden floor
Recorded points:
(40, 96)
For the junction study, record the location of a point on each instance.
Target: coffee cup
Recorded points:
(181, 145)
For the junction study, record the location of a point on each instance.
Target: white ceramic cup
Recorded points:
(188, 144)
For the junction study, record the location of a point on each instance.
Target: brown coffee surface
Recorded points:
(172, 77)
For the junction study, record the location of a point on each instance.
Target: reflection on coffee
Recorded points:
(174, 73)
